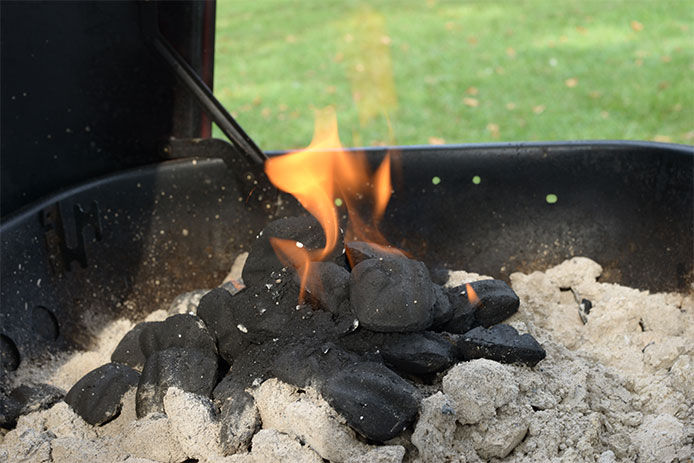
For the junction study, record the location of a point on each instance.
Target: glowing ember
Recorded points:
(471, 294)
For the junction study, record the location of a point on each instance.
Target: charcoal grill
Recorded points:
(162, 215)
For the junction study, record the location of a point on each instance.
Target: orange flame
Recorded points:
(292, 253)
(471, 294)
(308, 176)
(314, 176)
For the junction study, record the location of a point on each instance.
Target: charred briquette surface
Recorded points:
(359, 251)
(128, 351)
(418, 353)
(239, 421)
(253, 367)
(261, 324)
(265, 314)
(216, 309)
(97, 396)
(501, 343)
(10, 410)
(462, 313)
(586, 305)
(392, 294)
(374, 400)
(190, 369)
(277, 339)
(308, 364)
(439, 275)
(182, 330)
(262, 259)
(328, 284)
(497, 302)
(26, 399)
(239, 418)
(443, 310)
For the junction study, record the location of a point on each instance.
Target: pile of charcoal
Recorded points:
(371, 327)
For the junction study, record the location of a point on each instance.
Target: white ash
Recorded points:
(236, 268)
(478, 388)
(619, 388)
(193, 423)
(306, 416)
(272, 446)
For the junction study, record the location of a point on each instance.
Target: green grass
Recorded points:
(462, 71)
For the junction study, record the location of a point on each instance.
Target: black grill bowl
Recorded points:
(126, 244)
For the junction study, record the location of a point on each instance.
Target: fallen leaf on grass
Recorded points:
(604, 114)
(594, 94)
(436, 141)
(510, 106)
(539, 109)
(663, 85)
(290, 39)
(581, 30)
(493, 129)
(571, 82)
(666, 58)
(472, 91)
(471, 102)
(511, 52)
(637, 26)
(472, 40)
(266, 112)
(662, 138)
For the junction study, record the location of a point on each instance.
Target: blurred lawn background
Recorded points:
(409, 72)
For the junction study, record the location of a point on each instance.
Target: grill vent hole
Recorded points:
(45, 323)
(9, 354)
